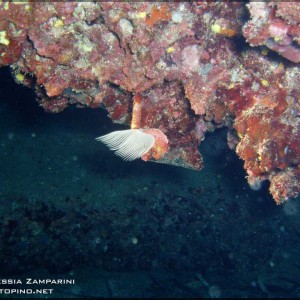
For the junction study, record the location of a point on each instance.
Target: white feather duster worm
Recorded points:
(129, 144)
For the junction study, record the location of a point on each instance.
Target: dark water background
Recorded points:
(71, 209)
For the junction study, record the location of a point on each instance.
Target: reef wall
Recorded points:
(194, 66)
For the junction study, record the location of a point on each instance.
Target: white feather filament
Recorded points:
(129, 144)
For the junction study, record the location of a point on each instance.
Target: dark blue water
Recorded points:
(70, 209)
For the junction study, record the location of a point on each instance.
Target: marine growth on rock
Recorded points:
(176, 69)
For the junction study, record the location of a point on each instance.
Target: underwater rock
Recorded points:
(275, 25)
(189, 64)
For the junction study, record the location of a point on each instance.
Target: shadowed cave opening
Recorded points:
(70, 206)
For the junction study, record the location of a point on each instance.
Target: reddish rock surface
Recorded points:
(277, 26)
(190, 64)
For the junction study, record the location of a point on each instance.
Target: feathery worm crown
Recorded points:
(136, 143)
